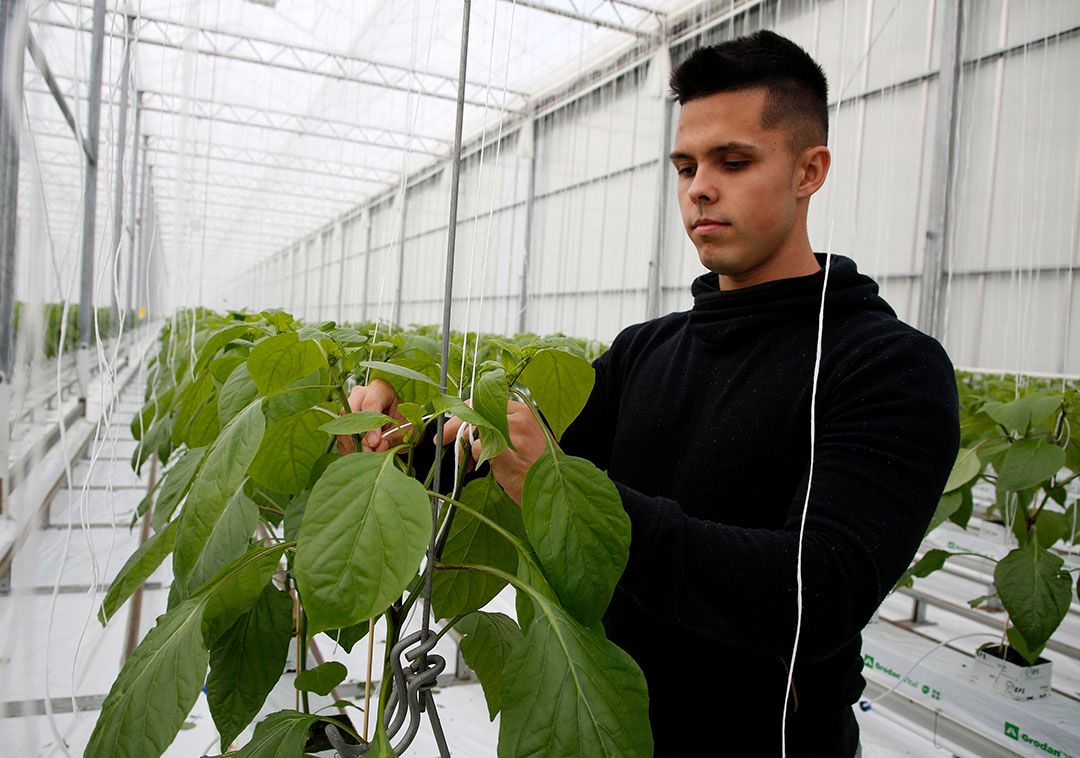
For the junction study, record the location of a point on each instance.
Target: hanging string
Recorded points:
(813, 422)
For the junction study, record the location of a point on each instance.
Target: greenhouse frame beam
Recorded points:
(282, 207)
(584, 18)
(246, 48)
(288, 161)
(261, 185)
(249, 157)
(219, 236)
(42, 65)
(303, 124)
(230, 220)
(295, 123)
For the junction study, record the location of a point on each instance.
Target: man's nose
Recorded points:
(703, 189)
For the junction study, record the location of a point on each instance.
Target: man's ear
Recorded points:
(811, 168)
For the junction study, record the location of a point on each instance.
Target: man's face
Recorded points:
(737, 186)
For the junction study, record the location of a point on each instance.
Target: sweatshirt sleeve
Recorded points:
(887, 436)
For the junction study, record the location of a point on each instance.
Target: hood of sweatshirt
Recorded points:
(722, 315)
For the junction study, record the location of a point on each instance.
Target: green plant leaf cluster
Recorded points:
(243, 411)
(1022, 436)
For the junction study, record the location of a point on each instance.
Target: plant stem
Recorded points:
(301, 663)
(367, 680)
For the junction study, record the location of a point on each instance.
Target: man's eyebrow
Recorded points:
(726, 147)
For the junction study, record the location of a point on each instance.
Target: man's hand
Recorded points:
(378, 397)
(510, 466)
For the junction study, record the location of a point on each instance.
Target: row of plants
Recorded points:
(53, 318)
(1022, 437)
(276, 537)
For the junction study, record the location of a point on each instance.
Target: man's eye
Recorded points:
(736, 165)
(685, 171)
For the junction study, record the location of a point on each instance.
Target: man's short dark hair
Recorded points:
(797, 93)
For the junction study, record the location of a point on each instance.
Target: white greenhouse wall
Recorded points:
(1012, 295)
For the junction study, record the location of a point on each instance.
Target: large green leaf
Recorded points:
(298, 396)
(1021, 415)
(160, 681)
(575, 521)
(569, 691)
(1020, 645)
(347, 637)
(965, 469)
(138, 568)
(932, 561)
(220, 339)
(236, 394)
(1051, 526)
(560, 384)
(1034, 590)
(191, 402)
(156, 688)
(227, 540)
(947, 506)
(220, 478)
(175, 485)
(1029, 463)
(401, 371)
(321, 679)
(289, 450)
(246, 662)
(156, 406)
(415, 380)
(365, 528)
(489, 639)
(233, 590)
(280, 735)
(276, 362)
(357, 422)
(473, 542)
(491, 395)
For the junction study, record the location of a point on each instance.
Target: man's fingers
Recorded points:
(450, 429)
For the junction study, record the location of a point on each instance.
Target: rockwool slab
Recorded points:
(947, 682)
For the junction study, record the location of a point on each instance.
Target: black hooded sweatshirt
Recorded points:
(702, 419)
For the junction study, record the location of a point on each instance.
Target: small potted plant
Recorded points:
(1024, 447)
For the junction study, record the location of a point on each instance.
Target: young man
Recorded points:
(702, 419)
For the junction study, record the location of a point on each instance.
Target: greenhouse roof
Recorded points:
(264, 120)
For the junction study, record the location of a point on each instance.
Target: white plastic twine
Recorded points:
(413, 99)
(813, 418)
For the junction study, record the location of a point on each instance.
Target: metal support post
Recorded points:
(398, 291)
(340, 316)
(118, 174)
(932, 295)
(142, 247)
(294, 253)
(93, 130)
(533, 133)
(133, 209)
(367, 264)
(659, 71)
(12, 34)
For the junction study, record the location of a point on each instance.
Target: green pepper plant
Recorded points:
(276, 536)
(1026, 444)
